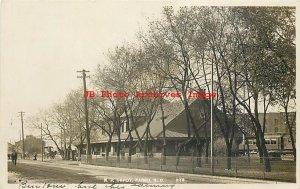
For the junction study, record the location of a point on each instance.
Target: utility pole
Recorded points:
(211, 123)
(42, 146)
(61, 145)
(86, 110)
(244, 141)
(23, 151)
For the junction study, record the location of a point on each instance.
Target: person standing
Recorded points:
(14, 157)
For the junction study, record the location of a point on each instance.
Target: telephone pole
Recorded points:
(42, 146)
(212, 168)
(23, 149)
(86, 110)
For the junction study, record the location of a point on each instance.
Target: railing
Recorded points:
(281, 170)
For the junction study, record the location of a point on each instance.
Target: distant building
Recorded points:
(32, 145)
(277, 136)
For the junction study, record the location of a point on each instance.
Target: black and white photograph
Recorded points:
(147, 94)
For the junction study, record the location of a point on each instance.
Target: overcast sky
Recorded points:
(44, 43)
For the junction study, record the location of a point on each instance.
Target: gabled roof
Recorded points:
(137, 107)
(171, 111)
(175, 121)
(173, 134)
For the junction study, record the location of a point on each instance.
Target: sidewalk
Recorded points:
(58, 161)
(76, 164)
(194, 176)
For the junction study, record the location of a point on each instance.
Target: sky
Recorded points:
(44, 43)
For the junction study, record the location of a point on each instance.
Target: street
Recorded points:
(53, 172)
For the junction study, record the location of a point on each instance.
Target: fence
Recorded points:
(281, 170)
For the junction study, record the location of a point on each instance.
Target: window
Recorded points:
(158, 148)
(273, 141)
(127, 126)
(276, 121)
(97, 151)
(267, 141)
(103, 132)
(276, 129)
(124, 127)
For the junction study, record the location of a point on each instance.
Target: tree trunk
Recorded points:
(69, 154)
(178, 153)
(164, 150)
(130, 135)
(206, 151)
(186, 106)
(229, 155)
(260, 152)
(164, 154)
(118, 149)
(290, 131)
(199, 153)
(80, 147)
(266, 159)
(130, 147)
(146, 148)
(180, 147)
(108, 146)
(248, 151)
(206, 143)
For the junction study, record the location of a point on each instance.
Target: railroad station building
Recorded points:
(176, 130)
